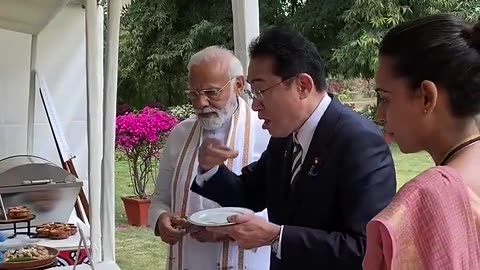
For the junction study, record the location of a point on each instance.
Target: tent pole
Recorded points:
(109, 114)
(32, 95)
(246, 27)
(94, 128)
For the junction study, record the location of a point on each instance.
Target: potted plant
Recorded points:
(140, 136)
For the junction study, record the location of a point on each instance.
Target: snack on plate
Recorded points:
(18, 212)
(181, 223)
(56, 230)
(59, 234)
(73, 228)
(30, 252)
(43, 232)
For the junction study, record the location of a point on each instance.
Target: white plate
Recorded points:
(216, 216)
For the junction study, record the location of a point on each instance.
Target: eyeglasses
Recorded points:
(210, 93)
(258, 94)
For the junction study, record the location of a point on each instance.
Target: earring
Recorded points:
(425, 111)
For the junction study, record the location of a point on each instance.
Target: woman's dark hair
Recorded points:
(443, 49)
(292, 54)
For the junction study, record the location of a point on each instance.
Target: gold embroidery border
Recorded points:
(185, 198)
(175, 183)
(226, 243)
(180, 162)
(246, 153)
(185, 201)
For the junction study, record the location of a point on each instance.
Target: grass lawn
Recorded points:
(138, 249)
(408, 166)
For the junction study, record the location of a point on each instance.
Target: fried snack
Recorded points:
(59, 234)
(73, 229)
(19, 212)
(181, 223)
(43, 232)
(56, 230)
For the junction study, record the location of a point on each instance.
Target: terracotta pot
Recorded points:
(136, 210)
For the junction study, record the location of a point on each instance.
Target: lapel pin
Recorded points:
(314, 168)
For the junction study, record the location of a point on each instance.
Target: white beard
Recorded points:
(219, 117)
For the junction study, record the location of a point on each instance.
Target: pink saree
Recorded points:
(433, 223)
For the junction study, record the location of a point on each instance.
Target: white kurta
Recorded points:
(178, 167)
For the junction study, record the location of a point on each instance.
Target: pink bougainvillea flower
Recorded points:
(140, 136)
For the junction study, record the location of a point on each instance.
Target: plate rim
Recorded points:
(243, 209)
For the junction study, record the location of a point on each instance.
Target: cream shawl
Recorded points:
(188, 253)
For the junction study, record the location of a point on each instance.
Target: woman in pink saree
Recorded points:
(428, 86)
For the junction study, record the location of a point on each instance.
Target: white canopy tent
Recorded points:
(31, 17)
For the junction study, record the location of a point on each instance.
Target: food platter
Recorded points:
(32, 266)
(17, 220)
(56, 230)
(32, 263)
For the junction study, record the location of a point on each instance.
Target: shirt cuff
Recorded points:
(203, 177)
(279, 251)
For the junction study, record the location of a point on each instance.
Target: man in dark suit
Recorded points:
(325, 173)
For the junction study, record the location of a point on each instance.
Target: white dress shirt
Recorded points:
(304, 137)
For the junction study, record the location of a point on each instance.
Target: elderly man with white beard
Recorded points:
(215, 82)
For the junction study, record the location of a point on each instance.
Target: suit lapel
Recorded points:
(317, 152)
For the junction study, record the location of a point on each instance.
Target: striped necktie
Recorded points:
(297, 160)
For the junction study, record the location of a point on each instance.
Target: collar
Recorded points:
(305, 133)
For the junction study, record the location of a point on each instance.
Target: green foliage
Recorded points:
(348, 90)
(157, 37)
(344, 96)
(182, 112)
(366, 21)
(370, 112)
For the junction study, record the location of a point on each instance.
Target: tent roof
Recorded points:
(31, 16)
(28, 16)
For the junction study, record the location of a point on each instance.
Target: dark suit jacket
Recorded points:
(347, 177)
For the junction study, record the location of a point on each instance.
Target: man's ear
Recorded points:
(305, 85)
(239, 85)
